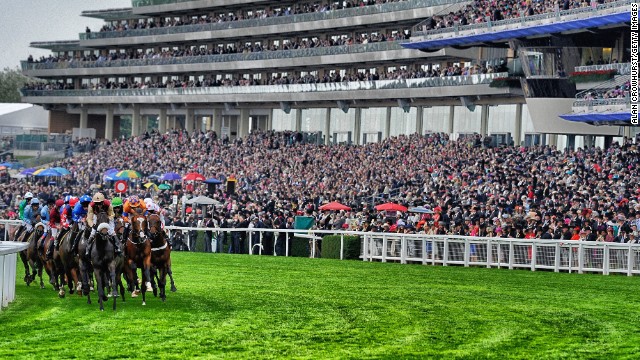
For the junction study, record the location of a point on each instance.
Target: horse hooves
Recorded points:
(134, 294)
(173, 288)
(144, 303)
(61, 295)
(91, 288)
(42, 286)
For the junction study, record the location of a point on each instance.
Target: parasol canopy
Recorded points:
(334, 206)
(391, 207)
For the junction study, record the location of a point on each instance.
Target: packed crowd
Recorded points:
(618, 92)
(279, 79)
(470, 189)
(237, 48)
(479, 11)
(222, 17)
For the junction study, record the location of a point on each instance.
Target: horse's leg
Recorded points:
(101, 296)
(154, 281)
(25, 262)
(162, 282)
(112, 273)
(170, 273)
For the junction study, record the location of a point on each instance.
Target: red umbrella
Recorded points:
(391, 207)
(194, 176)
(336, 206)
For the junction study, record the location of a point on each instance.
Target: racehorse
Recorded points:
(105, 262)
(122, 232)
(138, 254)
(23, 237)
(160, 254)
(69, 260)
(50, 265)
(32, 252)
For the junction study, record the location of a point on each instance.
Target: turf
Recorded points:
(250, 307)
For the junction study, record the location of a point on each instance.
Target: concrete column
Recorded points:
(387, 124)
(589, 141)
(517, 136)
(217, 122)
(108, 126)
(553, 140)
(144, 124)
(484, 120)
(327, 127)
(172, 122)
(419, 119)
(162, 121)
(298, 120)
(188, 121)
(626, 131)
(452, 112)
(84, 118)
(243, 123)
(358, 127)
(270, 121)
(135, 121)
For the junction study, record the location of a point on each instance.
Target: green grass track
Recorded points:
(252, 307)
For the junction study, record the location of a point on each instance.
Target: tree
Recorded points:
(10, 81)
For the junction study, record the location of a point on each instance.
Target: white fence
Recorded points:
(8, 258)
(532, 254)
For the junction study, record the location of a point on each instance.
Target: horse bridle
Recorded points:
(142, 232)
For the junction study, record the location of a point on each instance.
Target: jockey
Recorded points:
(79, 211)
(100, 204)
(31, 215)
(24, 204)
(55, 222)
(66, 217)
(26, 201)
(44, 215)
(153, 208)
(134, 204)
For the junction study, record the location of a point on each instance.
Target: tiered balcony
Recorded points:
(594, 108)
(595, 16)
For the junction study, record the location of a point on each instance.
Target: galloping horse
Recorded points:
(105, 262)
(50, 265)
(23, 237)
(32, 253)
(69, 259)
(160, 254)
(138, 254)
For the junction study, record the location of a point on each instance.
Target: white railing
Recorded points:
(8, 260)
(445, 250)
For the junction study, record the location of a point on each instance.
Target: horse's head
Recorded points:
(155, 224)
(139, 223)
(119, 225)
(103, 231)
(39, 229)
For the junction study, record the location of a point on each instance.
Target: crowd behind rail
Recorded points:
(279, 79)
(466, 187)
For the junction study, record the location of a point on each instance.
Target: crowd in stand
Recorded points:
(271, 11)
(471, 189)
(618, 92)
(238, 48)
(479, 11)
(327, 77)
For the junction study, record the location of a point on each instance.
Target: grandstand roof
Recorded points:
(24, 116)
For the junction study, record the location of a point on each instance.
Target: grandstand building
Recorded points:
(345, 71)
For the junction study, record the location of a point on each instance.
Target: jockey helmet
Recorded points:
(85, 199)
(35, 201)
(98, 197)
(73, 201)
(28, 195)
(117, 201)
(67, 199)
(59, 202)
(133, 200)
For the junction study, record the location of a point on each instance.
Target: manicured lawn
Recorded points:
(248, 307)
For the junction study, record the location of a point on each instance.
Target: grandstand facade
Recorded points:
(346, 71)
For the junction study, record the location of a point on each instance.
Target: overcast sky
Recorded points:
(24, 21)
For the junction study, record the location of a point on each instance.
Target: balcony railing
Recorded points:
(489, 26)
(291, 88)
(140, 3)
(253, 56)
(623, 68)
(590, 104)
(280, 20)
